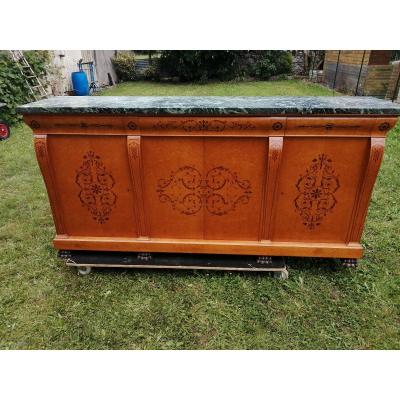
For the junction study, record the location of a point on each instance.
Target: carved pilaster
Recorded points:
(42, 156)
(274, 160)
(374, 162)
(134, 156)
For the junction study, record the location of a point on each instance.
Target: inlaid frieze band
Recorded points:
(214, 125)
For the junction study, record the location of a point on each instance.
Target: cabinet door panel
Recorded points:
(205, 188)
(318, 183)
(234, 173)
(172, 173)
(93, 185)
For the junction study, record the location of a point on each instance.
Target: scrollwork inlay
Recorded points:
(96, 183)
(214, 125)
(316, 187)
(220, 191)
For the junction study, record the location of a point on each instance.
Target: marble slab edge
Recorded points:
(206, 112)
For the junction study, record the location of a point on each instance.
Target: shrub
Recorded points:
(199, 65)
(13, 87)
(152, 72)
(39, 60)
(273, 63)
(202, 65)
(124, 64)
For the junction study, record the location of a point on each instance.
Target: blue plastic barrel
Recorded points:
(80, 83)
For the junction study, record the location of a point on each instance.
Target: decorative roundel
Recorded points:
(132, 125)
(384, 126)
(277, 126)
(34, 124)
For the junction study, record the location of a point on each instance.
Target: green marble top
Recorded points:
(211, 105)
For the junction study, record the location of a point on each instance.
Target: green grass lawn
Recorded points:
(45, 305)
(254, 88)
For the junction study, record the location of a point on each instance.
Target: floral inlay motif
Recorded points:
(316, 191)
(96, 184)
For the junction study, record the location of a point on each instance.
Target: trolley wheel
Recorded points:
(349, 262)
(82, 271)
(264, 260)
(281, 275)
(144, 256)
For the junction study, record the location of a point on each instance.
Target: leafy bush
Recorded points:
(199, 65)
(202, 65)
(152, 72)
(13, 87)
(124, 64)
(39, 60)
(273, 63)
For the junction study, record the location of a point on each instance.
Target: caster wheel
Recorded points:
(281, 275)
(144, 256)
(349, 262)
(82, 271)
(264, 260)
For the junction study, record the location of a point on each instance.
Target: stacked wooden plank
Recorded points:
(359, 72)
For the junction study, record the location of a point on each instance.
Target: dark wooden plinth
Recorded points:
(95, 259)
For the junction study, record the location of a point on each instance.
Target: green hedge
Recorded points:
(203, 65)
(273, 63)
(13, 89)
(199, 65)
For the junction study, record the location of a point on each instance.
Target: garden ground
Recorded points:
(45, 305)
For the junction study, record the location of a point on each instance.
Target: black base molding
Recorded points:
(104, 259)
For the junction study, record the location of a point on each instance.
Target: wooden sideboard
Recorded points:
(253, 176)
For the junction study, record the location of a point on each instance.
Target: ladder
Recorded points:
(32, 81)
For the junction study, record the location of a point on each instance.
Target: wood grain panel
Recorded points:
(172, 170)
(233, 181)
(318, 185)
(94, 185)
